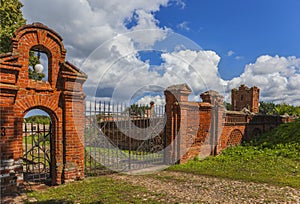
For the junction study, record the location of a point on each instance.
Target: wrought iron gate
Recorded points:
(123, 138)
(37, 152)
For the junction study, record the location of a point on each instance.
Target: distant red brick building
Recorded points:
(245, 97)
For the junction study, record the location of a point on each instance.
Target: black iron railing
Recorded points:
(36, 152)
(121, 137)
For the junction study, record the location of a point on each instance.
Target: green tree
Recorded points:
(40, 119)
(33, 60)
(11, 19)
(227, 105)
(270, 108)
(136, 110)
(267, 108)
(284, 108)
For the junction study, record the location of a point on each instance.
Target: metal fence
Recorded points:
(37, 152)
(123, 137)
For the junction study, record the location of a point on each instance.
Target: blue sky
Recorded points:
(248, 28)
(126, 47)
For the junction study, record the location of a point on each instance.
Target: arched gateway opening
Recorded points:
(60, 95)
(38, 145)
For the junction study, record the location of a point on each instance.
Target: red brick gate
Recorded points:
(61, 97)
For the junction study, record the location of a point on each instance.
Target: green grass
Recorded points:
(114, 152)
(33, 139)
(272, 158)
(96, 190)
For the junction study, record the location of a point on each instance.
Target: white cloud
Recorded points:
(129, 76)
(179, 3)
(158, 100)
(85, 25)
(183, 26)
(199, 69)
(267, 64)
(230, 53)
(277, 77)
(97, 29)
(239, 57)
(146, 23)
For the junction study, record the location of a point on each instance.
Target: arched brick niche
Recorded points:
(61, 97)
(235, 138)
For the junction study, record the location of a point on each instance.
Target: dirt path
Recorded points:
(175, 187)
(188, 188)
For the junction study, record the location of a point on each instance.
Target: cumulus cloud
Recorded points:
(158, 100)
(277, 77)
(85, 25)
(199, 69)
(126, 76)
(146, 23)
(99, 40)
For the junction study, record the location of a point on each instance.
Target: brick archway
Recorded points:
(38, 146)
(61, 97)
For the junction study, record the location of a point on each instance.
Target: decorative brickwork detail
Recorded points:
(235, 138)
(61, 97)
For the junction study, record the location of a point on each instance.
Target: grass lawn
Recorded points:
(244, 163)
(96, 190)
(273, 157)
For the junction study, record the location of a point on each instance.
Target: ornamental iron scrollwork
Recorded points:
(37, 152)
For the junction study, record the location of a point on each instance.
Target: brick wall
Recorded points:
(199, 129)
(188, 125)
(61, 97)
(240, 127)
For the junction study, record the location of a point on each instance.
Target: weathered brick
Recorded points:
(19, 94)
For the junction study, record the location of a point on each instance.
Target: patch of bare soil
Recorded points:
(189, 188)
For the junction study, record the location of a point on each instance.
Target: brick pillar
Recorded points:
(176, 126)
(205, 112)
(189, 141)
(73, 141)
(217, 118)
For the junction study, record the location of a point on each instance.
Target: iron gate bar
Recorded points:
(109, 128)
(36, 156)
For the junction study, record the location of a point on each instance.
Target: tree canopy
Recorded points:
(11, 19)
(136, 110)
(270, 108)
(40, 119)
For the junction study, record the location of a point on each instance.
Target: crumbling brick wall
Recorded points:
(245, 97)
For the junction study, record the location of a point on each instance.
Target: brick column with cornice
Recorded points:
(61, 96)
